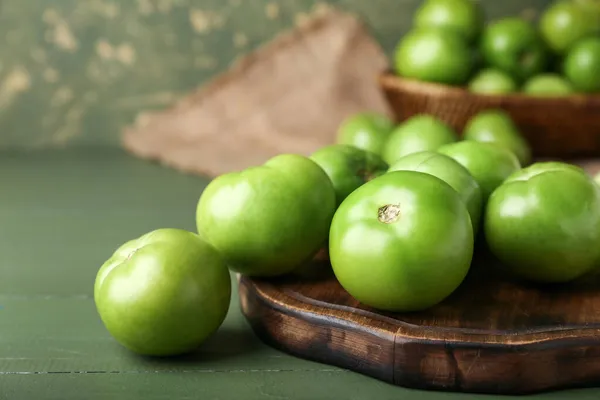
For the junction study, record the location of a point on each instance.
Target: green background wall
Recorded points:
(74, 72)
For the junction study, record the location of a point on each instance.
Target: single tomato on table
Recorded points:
(268, 220)
(543, 223)
(348, 167)
(366, 130)
(401, 242)
(488, 163)
(451, 172)
(163, 293)
(418, 133)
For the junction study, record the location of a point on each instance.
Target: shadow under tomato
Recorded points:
(226, 343)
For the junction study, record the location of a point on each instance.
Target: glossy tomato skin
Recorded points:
(514, 46)
(451, 172)
(548, 85)
(488, 163)
(401, 242)
(582, 65)
(163, 293)
(366, 130)
(497, 127)
(564, 23)
(418, 133)
(434, 55)
(268, 220)
(543, 223)
(348, 167)
(463, 16)
(492, 81)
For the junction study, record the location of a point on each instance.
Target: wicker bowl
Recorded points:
(567, 127)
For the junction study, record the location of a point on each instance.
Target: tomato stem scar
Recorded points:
(389, 213)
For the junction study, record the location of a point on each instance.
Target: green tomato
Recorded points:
(451, 172)
(348, 167)
(492, 81)
(401, 242)
(418, 133)
(367, 131)
(543, 223)
(548, 85)
(434, 55)
(488, 163)
(593, 8)
(268, 220)
(597, 178)
(496, 126)
(564, 23)
(163, 293)
(514, 46)
(463, 16)
(582, 65)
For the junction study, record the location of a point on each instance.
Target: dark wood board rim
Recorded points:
(409, 345)
(469, 337)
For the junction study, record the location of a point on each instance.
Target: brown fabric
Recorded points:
(288, 96)
(592, 166)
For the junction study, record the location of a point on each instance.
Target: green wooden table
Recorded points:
(62, 213)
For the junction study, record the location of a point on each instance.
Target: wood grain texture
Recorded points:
(493, 335)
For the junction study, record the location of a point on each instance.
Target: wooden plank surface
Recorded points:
(62, 214)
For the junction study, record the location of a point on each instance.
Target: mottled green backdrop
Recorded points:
(77, 71)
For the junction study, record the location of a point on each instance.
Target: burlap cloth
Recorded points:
(288, 96)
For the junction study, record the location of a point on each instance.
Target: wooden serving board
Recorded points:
(493, 335)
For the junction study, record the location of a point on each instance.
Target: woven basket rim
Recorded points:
(393, 82)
